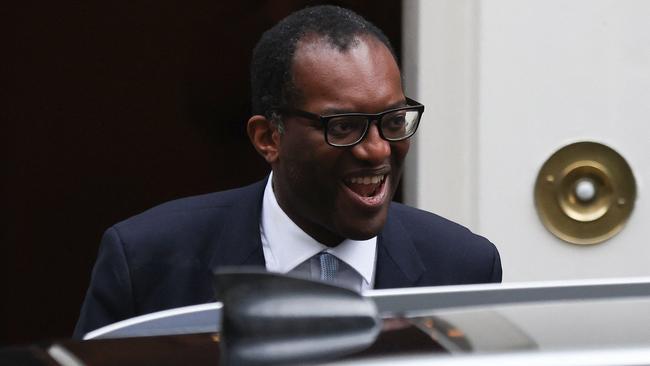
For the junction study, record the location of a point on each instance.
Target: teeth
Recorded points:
(373, 179)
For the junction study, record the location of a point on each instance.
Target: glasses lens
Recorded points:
(346, 129)
(399, 124)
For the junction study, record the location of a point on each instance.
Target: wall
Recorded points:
(508, 82)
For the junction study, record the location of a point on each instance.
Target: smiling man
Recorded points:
(334, 173)
(332, 120)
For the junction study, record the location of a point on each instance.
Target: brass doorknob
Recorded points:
(585, 193)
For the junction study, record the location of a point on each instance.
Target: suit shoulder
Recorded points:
(452, 252)
(192, 211)
(411, 215)
(429, 226)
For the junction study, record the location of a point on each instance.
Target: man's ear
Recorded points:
(265, 137)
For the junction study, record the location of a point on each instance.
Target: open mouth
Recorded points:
(366, 186)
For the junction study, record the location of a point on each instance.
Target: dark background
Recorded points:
(109, 108)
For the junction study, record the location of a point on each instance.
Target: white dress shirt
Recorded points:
(288, 249)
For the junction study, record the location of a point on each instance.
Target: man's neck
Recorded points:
(317, 232)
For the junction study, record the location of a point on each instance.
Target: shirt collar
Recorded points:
(286, 245)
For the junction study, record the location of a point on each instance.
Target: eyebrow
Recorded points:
(330, 111)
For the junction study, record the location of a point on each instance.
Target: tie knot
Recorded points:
(329, 264)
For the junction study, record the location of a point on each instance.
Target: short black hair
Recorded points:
(271, 75)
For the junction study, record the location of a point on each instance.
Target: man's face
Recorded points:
(334, 193)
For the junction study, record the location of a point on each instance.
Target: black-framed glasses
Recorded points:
(348, 129)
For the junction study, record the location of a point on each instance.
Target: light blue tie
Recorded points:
(329, 264)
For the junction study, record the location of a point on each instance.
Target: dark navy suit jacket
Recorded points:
(164, 257)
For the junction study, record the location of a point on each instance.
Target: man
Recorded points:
(331, 119)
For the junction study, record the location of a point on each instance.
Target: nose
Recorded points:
(372, 148)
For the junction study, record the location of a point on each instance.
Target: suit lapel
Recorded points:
(238, 242)
(398, 261)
